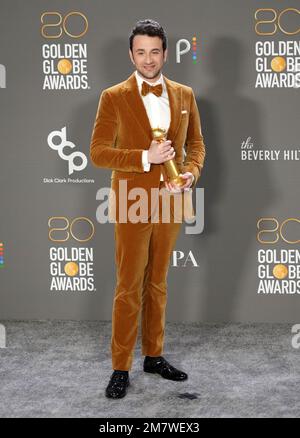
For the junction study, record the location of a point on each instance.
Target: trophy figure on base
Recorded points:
(160, 135)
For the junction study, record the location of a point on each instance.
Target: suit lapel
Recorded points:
(136, 106)
(175, 102)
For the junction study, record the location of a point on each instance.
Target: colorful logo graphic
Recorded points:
(1, 255)
(184, 46)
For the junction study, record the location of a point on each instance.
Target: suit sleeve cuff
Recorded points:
(145, 161)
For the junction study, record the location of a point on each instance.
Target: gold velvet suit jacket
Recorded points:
(122, 131)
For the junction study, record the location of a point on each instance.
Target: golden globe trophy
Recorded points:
(160, 135)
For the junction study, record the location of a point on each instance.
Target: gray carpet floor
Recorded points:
(61, 369)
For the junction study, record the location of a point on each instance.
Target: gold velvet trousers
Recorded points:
(142, 255)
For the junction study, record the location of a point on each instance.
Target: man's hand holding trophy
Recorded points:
(161, 151)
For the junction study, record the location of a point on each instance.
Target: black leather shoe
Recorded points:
(118, 384)
(161, 366)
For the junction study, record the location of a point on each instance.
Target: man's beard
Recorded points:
(150, 74)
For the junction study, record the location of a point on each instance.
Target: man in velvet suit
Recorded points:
(122, 141)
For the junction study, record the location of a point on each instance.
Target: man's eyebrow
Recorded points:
(144, 49)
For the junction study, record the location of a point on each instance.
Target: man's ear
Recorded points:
(130, 56)
(166, 55)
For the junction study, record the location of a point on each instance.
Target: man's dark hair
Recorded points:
(151, 28)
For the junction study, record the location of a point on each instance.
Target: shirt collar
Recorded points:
(140, 80)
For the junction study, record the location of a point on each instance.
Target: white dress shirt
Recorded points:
(158, 111)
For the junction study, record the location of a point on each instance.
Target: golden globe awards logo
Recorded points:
(71, 268)
(278, 268)
(64, 64)
(277, 62)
